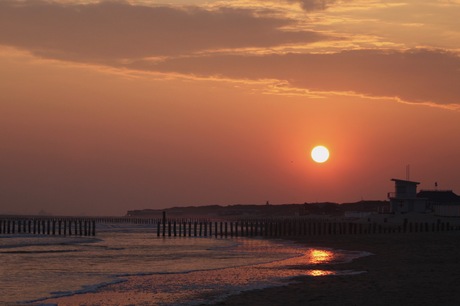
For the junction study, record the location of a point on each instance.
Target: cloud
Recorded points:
(314, 5)
(417, 75)
(108, 31)
(122, 35)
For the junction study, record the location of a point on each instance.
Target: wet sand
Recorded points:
(406, 269)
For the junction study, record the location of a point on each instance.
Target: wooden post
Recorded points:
(85, 227)
(76, 227)
(70, 227)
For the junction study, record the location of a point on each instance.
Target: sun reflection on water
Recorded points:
(317, 256)
(320, 272)
(320, 256)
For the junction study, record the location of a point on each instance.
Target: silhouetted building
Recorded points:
(441, 202)
(404, 199)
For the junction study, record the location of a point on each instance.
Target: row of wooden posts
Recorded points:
(206, 228)
(48, 226)
(291, 227)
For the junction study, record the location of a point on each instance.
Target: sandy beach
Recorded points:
(405, 269)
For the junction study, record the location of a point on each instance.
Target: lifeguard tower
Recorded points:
(404, 199)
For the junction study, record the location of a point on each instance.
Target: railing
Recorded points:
(395, 195)
(391, 195)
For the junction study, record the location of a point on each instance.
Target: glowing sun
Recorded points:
(320, 154)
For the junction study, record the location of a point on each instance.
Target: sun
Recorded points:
(320, 154)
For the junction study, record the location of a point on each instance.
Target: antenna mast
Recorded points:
(408, 172)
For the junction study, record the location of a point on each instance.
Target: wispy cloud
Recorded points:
(253, 45)
(118, 30)
(417, 75)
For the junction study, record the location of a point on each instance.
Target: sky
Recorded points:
(109, 106)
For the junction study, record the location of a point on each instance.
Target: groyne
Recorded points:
(202, 227)
(69, 226)
(292, 227)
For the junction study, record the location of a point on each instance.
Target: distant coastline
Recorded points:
(266, 210)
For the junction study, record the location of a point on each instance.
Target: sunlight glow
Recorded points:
(320, 154)
(319, 272)
(320, 256)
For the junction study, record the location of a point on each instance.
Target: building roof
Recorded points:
(446, 196)
(405, 181)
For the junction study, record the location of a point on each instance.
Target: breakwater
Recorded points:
(202, 227)
(48, 226)
(291, 227)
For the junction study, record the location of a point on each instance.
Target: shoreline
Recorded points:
(404, 269)
(218, 283)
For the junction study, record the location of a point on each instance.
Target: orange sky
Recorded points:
(108, 106)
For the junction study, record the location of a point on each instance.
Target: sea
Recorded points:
(183, 270)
